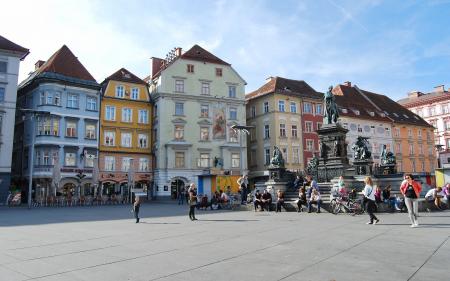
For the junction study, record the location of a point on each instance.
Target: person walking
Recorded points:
(447, 194)
(136, 207)
(243, 186)
(369, 194)
(181, 194)
(192, 201)
(411, 191)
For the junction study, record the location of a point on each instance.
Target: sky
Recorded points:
(388, 47)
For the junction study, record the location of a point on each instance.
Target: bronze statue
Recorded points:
(313, 163)
(387, 157)
(277, 158)
(331, 110)
(361, 150)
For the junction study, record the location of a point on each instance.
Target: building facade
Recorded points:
(434, 107)
(283, 113)
(386, 122)
(197, 99)
(125, 134)
(10, 56)
(62, 128)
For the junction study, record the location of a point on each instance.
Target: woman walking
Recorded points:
(411, 190)
(369, 195)
(136, 206)
(192, 201)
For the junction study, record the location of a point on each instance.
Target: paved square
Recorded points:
(104, 243)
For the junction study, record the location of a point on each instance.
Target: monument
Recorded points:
(388, 162)
(362, 157)
(333, 159)
(278, 176)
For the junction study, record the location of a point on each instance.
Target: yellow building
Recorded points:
(125, 134)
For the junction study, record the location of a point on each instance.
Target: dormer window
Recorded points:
(355, 111)
(344, 110)
(417, 118)
(381, 114)
(396, 115)
(406, 116)
(190, 68)
(120, 91)
(371, 113)
(387, 113)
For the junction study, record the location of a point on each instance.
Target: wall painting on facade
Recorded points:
(219, 125)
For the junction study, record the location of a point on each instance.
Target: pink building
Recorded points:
(434, 107)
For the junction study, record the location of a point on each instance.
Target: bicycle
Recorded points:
(347, 205)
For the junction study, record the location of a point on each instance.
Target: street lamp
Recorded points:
(33, 114)
(241, 129)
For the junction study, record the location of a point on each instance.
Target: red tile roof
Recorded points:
(285, 86)
(199, 54)
(124, 75)
(382, 107)
(10, 46)
(425, 99)
(64, 62)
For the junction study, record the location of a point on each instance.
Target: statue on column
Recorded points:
(277, 158)
(331, 110)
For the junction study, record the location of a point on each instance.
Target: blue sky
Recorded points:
(389, 47)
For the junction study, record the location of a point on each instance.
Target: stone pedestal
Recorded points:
(278, 178)
(333, 159)
(363, 167)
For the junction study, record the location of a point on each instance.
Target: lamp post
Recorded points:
(33, 114)
(241, 129)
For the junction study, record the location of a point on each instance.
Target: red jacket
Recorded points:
(416, 186)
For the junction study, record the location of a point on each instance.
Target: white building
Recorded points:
(10, 56)
(197, 98)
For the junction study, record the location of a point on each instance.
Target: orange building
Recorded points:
(125, 134)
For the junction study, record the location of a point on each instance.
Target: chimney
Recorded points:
(156, 65)
(414, 94)
(348, 83)
(38, 64)
(439, 89)
(178, 51)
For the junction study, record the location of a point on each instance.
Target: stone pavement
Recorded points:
(104, 243)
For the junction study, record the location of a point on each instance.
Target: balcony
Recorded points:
(43, 168)
(204, 163)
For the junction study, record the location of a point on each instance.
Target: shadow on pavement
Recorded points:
(228, 220)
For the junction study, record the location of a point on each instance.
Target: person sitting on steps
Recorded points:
(301, 199)
(266, 200)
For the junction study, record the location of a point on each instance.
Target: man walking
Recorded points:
(243, 186)
(192, 201)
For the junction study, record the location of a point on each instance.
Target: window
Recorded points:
(1, 123)
(190, 68)
(109, 138)
(253, 157)
(307, 108)
(231, 91)
(396, 132)
(419, 133)
(205, 88)
(70, 159)
(204, 133)
(285, 154)
(72, 101)
(235, 159)
(421, 149)
(91, 103)
(319, 125)
(204, 160)
(135, 93)
(359, 129)
(204, 110)
(120, 91)
(295, 155)
(413, 166)
(127, 114)
(253, 133)
(179, 159)
(253, 111)
(110, 163)
(233, 135)
(179, 86)
(143, 140)
(125, 140)
(46, 157)
(266, 132)
(428, 135)
(43, 100)
(283, 130)
(233, 113)
(387, 132)
(447, 124)
(48, 126)
(143, 164)
(179, 108)
(179, 132)
(444, 109)
(71, 128)
(432, 111)
(2, 94)
(310, 145)
(110, 113)
(143, 116)
(293, 107)
(126, 164)
(319, 109)
(398, 148)
(3, 66)
(411, 149)
(219, 72)
(422, 165)
(267, 156)
(294, 131)
(266, 107)
(448, 143)
(308, 127)
(89, 158)
(281, 106)
(409, 133)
